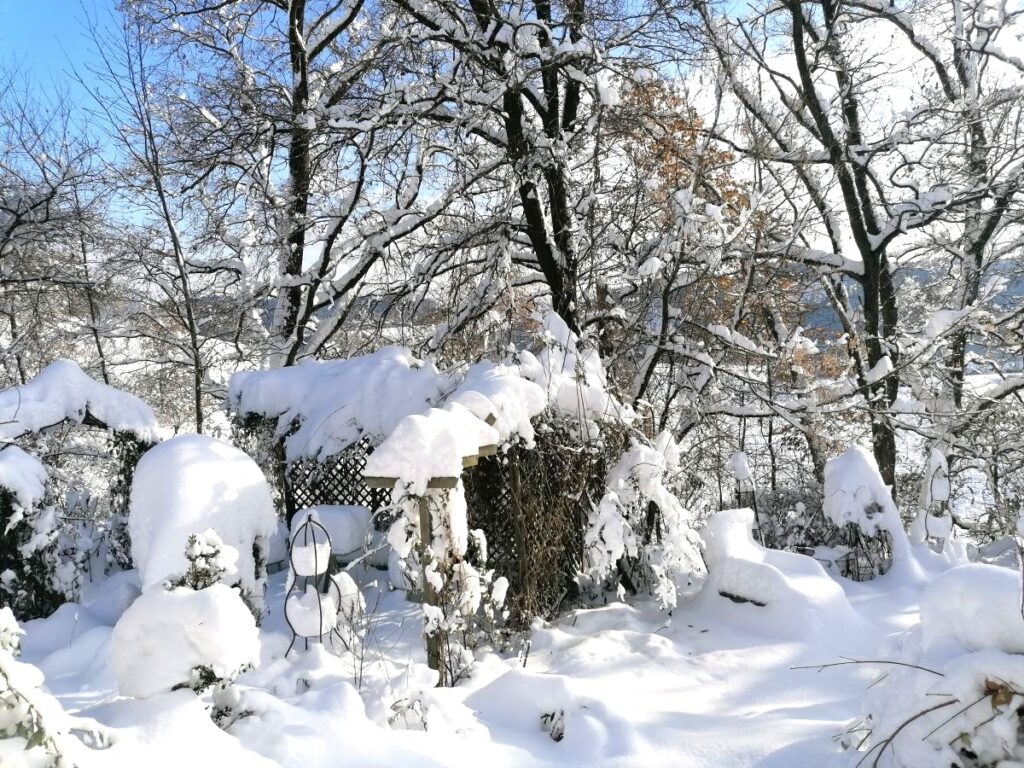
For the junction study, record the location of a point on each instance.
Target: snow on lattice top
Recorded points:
(64, 392)
(501, 393)
(572, 378)
(334, 403)
(324, 407)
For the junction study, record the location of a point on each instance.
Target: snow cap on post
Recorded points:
(429, 451)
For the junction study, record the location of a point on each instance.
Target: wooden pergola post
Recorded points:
(435, 642)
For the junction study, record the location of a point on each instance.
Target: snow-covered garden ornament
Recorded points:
(933, 520)
(310, 612)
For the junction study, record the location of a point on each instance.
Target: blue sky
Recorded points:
(44, 39)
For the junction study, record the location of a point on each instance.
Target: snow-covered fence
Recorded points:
(532, 503)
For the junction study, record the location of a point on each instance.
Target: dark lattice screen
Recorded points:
(337, 480)
(532, 506)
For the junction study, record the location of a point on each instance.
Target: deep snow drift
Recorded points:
(715, 683)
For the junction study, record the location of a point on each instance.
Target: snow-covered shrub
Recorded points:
(209, 561)
(350, 614)
(58, 519)
(639, 531)
(463, 601)
(857, 500)
(35, 732)
(183, 638)
(955, 696)
(28, 536)
(190, 484)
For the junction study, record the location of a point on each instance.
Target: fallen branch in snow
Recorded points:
(847, 661)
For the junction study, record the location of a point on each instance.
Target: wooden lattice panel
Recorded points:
(337, 480)
(533, 505)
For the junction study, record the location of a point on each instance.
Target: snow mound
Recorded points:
(794, 591)
(539, 712)
(165, 634)
(63, 391)
(188, 485)
(955, 698)
(975, 607)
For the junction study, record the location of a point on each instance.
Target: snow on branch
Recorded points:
(64, 392)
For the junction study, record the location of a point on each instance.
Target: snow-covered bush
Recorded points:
(183, 638)
(35, 732)
(464, 602)
(955, 694)
(53, 530)
(209, 561)
(28, 536)
(856, 498)
(639, 531)
(188, 485)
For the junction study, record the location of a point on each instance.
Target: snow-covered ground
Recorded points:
(717, 683)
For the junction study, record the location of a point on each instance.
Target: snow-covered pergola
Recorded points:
(425, 425)
(387, 428)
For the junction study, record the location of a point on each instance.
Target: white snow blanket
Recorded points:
(187, 485)
(430, 445)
